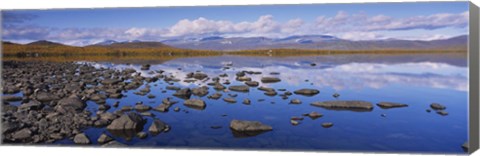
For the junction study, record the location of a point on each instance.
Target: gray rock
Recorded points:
(183, 93)
(387, 105)
(142, 135)
(437, 106)
(442, 112)
(23, 134)
(295, 101)
(81, 139)
(229, 100)
(11, 98)
(262, 88)
(314, 115)
(270, 79)
(327, 124)
(239, 88)
(244, 125)
(200, 91)
(270, 93)
(110, 81)
(114, 144)
(157, 126)
(244, 78)
(215, 96)
(246, 101)
(345, 105)
(31, 105)
(45, 97)
(200, 76)
(142, 108)
(252, 83)
(307, 92)
(129, 121)
(195, 103)
(104, 139)
(70, 104)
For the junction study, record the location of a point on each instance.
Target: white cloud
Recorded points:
(358, 26)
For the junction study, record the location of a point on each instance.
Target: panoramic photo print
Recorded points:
(368, 77)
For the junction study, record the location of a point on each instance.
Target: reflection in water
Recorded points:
(413, 80)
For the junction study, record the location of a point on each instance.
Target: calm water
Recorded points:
(417, 80)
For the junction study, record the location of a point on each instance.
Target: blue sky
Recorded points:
(368, 21)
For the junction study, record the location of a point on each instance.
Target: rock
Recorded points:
(129, 121)
(336, 95)
(173, 88)
(215, 96)
(244, 125)
(100, 123)
(252, 83)
(45, 97)
(270, 93)
(162, 108)
(345, 105)
(294, 122)
(465, 146)
(11, 98)
(239, 88)
(70, 104)
(262, 88)
(437, 106)
(230, 100)
(296, 118)
(195, 103)
(274, 73)
(150, 96)
(183, 93)
(110, 81)
(327, 124)
(246, 101)
(307, 92)
(145, 67)
(81, 139)
(240, 74)
(244, 78)
(114, 144)
(103, 107)
(270, 79)
(314, 115)
(126, 108)
(23, 134)
(142, 108)
(104, 139)
(200, 91)
(387, 105)
(215, 127)
(176, 109)
(142, 135)
(219, 86)
(295, 101)
(442, 112)
(157, 126)
(200, 76)
(31, 105)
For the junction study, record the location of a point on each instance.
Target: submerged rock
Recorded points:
(386, 105)
(345, 105)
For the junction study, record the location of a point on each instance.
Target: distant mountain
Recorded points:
(134, 44)
(312, 42)
(45, 43)
(106, 42)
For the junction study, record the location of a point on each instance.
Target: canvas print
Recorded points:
(367, 77)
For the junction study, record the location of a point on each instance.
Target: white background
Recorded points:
(74, 151)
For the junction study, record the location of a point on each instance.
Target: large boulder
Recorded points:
(200, 91)
(307, 92)
(129, 121)
(345, 105)
(70, 104)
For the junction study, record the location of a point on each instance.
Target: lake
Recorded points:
(414, 79)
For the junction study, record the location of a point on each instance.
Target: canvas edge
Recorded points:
(474, 68)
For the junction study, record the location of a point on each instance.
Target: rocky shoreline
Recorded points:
(53, 98)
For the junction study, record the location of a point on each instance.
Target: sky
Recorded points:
(361, 21)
